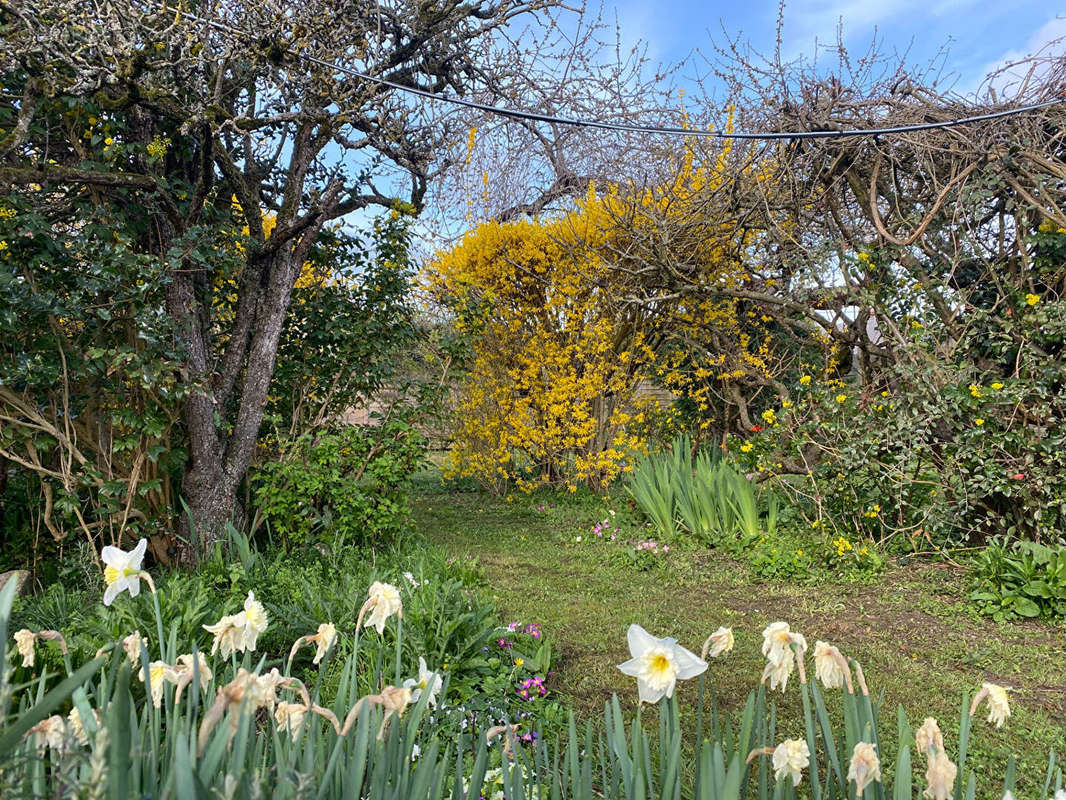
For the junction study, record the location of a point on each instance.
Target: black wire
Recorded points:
(533, 116)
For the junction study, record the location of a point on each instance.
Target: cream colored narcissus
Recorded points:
(777, 673)
(829, 665)
(228, 633)
(865, 766)
(718, 643)
(428, 682)
(132, 646)
(790, 758)
(940, 777)
(25, 640)
(998, 704)
(383, 600)
(777, 641)
(324, 639)
(658, 664)
(255, 621)
(122, 570)
(290, 718)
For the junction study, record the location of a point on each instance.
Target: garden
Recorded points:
(378, 421)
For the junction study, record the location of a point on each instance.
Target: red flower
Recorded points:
(1018, 476)
(756, 428)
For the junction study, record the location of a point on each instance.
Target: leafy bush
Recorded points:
(343, 484)
(1020, 579)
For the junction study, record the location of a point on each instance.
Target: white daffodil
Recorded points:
(998, 704)
(718, 643)
(778, 673)
(658, 664)
(777, 641)
(25, 640)
(383, 600)
(76, 728)
(865, 767)
(132, 645)
(1060, 795)
(324, 640)
(429, 682)
(159, 672)
(228, 633)
(290, 718)
(255, 621)
(791, 757)
(185, 670)
(940, 777)
(122, 570)
(51, 732)
(928, 737)
(828, 665)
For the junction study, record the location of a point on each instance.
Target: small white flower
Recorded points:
(228, 633)
(159, 672)
(428, 681)
(777, 641)
(658, 664)
(122, 570)
(132, 645)
(324, 640)
(185, 671)
(778, 673)
(51, 732)
(25, 640)
(411, 579)
(383, 600)
(940, 777)
(1060, 795)
(290, 717)
(416, 751)
(719, 642)
(865, 767)
(998, 704)
(928, 737)
(827, 665)
(791, 757)
(255, 621)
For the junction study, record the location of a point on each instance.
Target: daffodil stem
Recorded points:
(159, 625)
(399, 641)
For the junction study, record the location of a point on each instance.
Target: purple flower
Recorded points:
(506, 644)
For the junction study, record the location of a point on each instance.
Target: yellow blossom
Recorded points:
(1032, 299)
(840, 398)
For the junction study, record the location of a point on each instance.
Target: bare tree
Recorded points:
(263, 117)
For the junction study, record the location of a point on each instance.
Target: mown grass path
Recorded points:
(912, 630)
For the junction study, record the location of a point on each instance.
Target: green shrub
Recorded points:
(346, 484)
(1020, 579)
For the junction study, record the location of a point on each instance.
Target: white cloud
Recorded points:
(1039, 42)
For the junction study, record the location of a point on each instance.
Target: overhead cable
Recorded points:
(625, 127)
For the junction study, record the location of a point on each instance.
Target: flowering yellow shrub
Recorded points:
(554, 373)
(561, 345)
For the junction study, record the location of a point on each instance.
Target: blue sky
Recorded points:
(979, 33)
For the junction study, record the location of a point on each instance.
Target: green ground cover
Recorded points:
(920, 642)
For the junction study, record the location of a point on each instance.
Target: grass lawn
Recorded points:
(917, 638)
